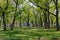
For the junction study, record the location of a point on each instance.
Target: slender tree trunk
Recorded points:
(12, 25)
(48, 17)
(0, 22)
(40, 22)
(32, 23)
(4, 22)
(35, 22)
(45, 19)
(20, 21)
(51, 20)
(57, 23)
(28, 20)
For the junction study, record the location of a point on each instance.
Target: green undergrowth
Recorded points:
(29, 34)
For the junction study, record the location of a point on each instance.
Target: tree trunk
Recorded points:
(45, 19)
(57, 23)
(4, 22)
(20, 21)
(12, 25)
(40, 22)
(32, 23)
(28, 20)
(48, 17)
(52, 20)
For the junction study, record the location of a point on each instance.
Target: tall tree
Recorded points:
(57, 12)
(3, 16)
(12, 25)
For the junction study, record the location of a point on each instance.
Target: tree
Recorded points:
(56, 7)
(12, 25)
(3, 16)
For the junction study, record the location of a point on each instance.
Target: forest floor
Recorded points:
(30, 34)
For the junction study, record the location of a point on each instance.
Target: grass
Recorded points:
(29, 34)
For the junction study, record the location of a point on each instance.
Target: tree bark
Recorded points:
(20, 21)
(12, 25)
(40, 22)
(48, 16)
(28, 20)
(45, 19)
(4, 22)
(57, 23)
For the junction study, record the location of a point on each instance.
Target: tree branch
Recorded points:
(40, 7)
(6, 6)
